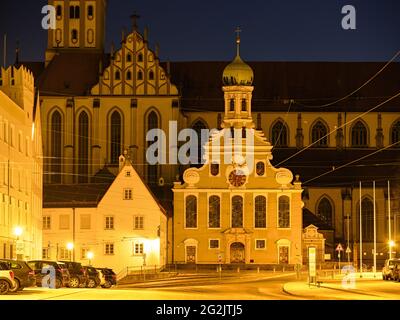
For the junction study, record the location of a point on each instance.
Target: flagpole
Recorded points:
(360, 234)
(390, 222)
(374, 233)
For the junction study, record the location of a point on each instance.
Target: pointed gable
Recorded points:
(134, 69)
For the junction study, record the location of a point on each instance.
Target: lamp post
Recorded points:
(90, 256)
(70, 248)
(18, 231)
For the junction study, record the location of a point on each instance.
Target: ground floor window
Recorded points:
(214, 244)
(138, 248)
(260, 244)
(109, 249)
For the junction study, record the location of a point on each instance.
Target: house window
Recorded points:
(213, 244)
(279, 135)
(85, 221)
(260, 244)
(260, 168)
(260, 212)
(64, 254)
(191, 212)
(214, 212)
(59, 11)
(45, 253)
(138, 248)
(237, 212)
(395, 134)
(359, 135)
(151, 75)
(84, 252)
(109, 225)
(90, 12)
(319, 134)
(325, 211)
(64, 222)
(116, 134)
(109, 249)
(244, 105)
(138, 222)
(214, 168)
(46, 223)
(232, 105)
(284, 212)
(127, 194)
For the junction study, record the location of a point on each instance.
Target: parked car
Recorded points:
(396, 271)
(78, 276)
(7, 282)
(108, 278)
(62, 274)
(387, 271)
(93, 277)
(24, 276)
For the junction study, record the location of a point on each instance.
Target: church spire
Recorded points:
(135, 17)
(238, 31)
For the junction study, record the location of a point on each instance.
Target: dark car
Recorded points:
(108, 277)
(387, 271)
(40, 266)
(396, 271)
(24, 276)
(78, 276)
(93, 277)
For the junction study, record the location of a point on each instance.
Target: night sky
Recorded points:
(280, 30)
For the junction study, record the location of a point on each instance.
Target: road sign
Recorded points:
(348, 250)
(339, 247)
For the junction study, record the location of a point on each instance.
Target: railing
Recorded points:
(139, 270)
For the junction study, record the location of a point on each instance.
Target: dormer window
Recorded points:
(129, 57)
(244, 105)
(214, 169)
(129, 75)
(140, 75)
(140, 57)
(59, 11)
(151, 75)
(90, 12)
(117, 75)
(232, 105)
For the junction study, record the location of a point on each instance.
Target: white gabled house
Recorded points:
(115, 222)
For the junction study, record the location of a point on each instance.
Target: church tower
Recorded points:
(80, 25)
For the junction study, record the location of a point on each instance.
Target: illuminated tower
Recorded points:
(80, 25)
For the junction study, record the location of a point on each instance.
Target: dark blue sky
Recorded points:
(285, 30)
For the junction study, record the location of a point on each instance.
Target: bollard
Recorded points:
(283, 269)
(258, 269)
(238, 269)
(274, 269)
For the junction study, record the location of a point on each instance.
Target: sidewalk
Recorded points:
(336, 289)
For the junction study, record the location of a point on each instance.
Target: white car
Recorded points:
(6, 278)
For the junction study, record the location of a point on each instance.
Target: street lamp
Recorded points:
(90, 256)
(391, 245)
(18, 231)
(70, 247)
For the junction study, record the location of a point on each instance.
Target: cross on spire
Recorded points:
(238, 31)
(135, 17)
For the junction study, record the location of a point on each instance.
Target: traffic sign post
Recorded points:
(339, 248)
(348, 251)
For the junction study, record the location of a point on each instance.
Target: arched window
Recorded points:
(151, 75)
(191, 212)
(232, 105)
(59, 11)
(140, 75)
(395, 134)
(279, 135)
(115, 137)
(90, 12)
(359, 135)
(198, 126)
(319, 134)
(244, 105)
(83, 147)
(260, 168)
(56, 147)
(325, 211)
(71, 12)
(367, 213)
(129, 75)
(214, 213)
(117, 75)
(152, 170)
(284, 212)
(214, 169)
(140, 57)
(260, 212)
(237, 212)
(129, 57)
(74, 35)
(77, 12)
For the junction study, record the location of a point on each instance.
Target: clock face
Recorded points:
(237, 178)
